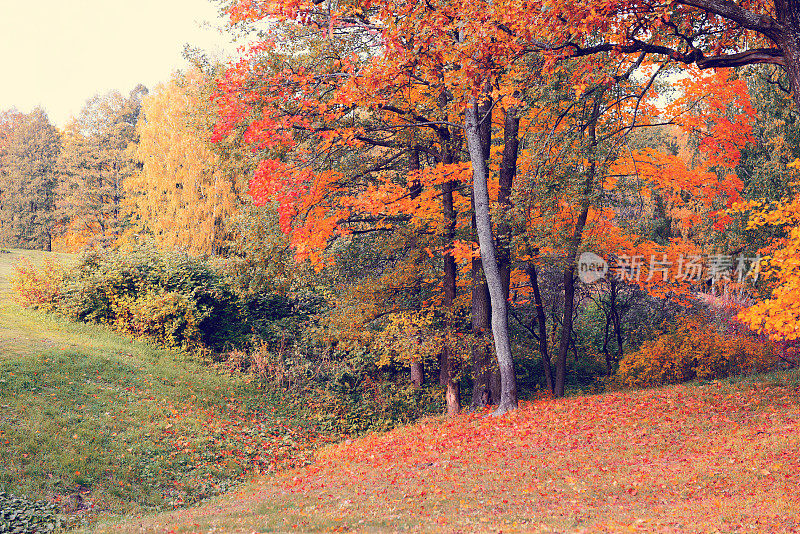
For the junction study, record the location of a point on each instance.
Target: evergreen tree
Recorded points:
(29, 148)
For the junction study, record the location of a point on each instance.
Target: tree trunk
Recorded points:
(481, 353)
(483, 221)
(417, 370)
(414, 187)
(572, 251)
(787, 13)
(446, 369)
(417, 373)
(508, 170)
(793, 72)
(484, 390)
(609, 359)
(569, 308)
(617, 331)
(446, 364)
(495, 384)
(613, 312)
(541, 322)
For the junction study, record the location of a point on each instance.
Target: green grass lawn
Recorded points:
(102, 424)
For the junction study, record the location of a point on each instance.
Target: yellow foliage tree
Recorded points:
(182, 196)
(779, 315)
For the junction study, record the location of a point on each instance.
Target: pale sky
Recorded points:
(59, 53)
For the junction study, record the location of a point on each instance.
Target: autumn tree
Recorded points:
(29, 147)
(352, 161)
(763, 168)
(778, 315)
(381, 87)
(706, 33)
(770, 208)
(376, 71)
(96, 160)
(183, 194)
(566, 206)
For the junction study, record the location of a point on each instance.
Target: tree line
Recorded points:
(125, 166)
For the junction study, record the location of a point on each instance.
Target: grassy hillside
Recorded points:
(98, 423)
(719, 457)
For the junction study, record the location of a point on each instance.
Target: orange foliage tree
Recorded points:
(360, 105)
(350, 158)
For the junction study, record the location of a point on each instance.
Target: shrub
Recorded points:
(38, 286)
(166, 316)
(20, 515)
(276, 367)
(343, 392)
(694, 348)
(278, 318)
(372, 406)
(169, 297)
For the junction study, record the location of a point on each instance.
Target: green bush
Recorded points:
(19, 515)
(166, 316)
(169, 297)
(276, 318)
